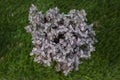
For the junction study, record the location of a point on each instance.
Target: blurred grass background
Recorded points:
(15, 43)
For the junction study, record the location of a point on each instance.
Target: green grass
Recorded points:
(15, 43)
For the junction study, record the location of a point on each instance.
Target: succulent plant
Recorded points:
(59, 37)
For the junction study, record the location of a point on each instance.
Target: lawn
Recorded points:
(15, 43)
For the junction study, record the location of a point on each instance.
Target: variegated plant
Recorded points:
(62, 38)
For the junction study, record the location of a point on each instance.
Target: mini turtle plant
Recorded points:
(61, 38)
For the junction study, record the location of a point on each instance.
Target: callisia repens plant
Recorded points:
(61, 38)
